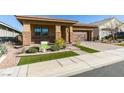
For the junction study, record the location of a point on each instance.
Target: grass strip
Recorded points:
(45, 57)
(86, 49)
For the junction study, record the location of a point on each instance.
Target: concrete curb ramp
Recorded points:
(66, 66)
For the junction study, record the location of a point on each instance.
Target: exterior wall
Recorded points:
(121, 28)
(26, 38)
(95, 34)
(6, 35)
(37, 39)
(102, 34)
(85, 33)
(55, 31)
(27, 34)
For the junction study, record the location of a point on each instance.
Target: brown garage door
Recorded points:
(79, 36)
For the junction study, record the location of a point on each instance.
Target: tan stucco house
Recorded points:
(108, 23)
(37, 29)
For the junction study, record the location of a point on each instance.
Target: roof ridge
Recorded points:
(106, 19)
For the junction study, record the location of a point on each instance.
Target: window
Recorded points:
(45, 31)
(37, 30)
(41, 31)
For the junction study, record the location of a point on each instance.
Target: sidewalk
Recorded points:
(66, 66)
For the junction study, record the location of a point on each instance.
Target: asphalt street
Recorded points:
(114, 70)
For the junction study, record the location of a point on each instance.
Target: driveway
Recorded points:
(115, 70)
(100, 46)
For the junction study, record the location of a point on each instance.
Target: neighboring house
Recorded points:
(121, 28)
(7, 33)
(108, 23)
(37, 29)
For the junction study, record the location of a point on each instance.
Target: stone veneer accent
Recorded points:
(71, 34)
(67, 35)
(27, 34)
(57, 32)
(26, 38)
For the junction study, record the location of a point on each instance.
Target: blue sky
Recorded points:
(11, 20)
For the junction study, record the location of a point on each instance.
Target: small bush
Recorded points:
(60, 43)
(54, 48)
(36, 48)
(108, 37)
(18, 42)
(64, 46)
(32, 50)
(120, 37)
(3, 50)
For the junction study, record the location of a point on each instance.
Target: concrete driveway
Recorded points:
(99, 46)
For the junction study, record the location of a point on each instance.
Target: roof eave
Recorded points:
(21, 18)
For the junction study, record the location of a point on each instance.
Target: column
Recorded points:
(67, 35)
(71, 34)
(92, 35)
(57, 32)
(89, 35)
(27, 34)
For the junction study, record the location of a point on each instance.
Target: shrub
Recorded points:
(18, 42)
(120, 37)
(109, 36)
(54, 48)
(36, 48)
(3, 50)
(32, 50)
(78, 43)
(60, 43)
(64, 46)
(95, 38)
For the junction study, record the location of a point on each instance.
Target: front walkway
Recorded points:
(11, 58)
(100, 46)
(66, 66)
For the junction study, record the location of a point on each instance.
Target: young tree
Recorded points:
(113, 30)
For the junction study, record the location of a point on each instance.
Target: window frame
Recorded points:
(40, 32)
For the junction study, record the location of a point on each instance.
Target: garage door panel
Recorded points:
(80, 36)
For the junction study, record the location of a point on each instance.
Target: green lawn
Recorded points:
(45, 57)
(86, 49)
(121, 44)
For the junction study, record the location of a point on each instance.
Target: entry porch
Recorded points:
(35, 33)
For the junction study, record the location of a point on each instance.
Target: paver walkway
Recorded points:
(10, 60)
(100, 46)
(66, 66)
